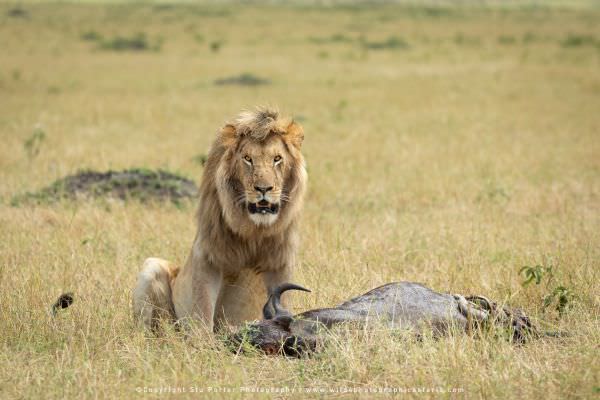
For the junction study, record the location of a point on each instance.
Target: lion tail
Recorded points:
(152, 296)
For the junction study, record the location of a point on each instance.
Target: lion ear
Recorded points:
(295, 134)
(227, 135)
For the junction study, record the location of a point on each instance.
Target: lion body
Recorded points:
(250, 198)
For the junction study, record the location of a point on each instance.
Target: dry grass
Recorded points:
(454, 159)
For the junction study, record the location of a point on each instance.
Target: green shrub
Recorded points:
(505, 39)
(33, 143)
(391, 42)
(573, 40)
(215, 46)
(17, 12)
(245, 79)
(91, 36)
(137, 42)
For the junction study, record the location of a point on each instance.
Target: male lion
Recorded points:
(251, 194)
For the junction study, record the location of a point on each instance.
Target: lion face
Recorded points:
(259, 173)
(262, 168)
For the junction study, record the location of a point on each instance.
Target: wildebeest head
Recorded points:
(275, 333)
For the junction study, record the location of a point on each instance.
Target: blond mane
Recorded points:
(233, 260)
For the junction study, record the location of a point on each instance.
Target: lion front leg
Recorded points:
(195, 294)
(242, 299)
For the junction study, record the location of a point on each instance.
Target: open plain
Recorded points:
(451, 145)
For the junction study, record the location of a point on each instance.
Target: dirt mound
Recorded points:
(136, 183)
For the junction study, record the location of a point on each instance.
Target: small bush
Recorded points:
(33, 143)
(529, 37)
(335, 38)
(462, 39)
(199, 38)
(560, 297)
(215, 46)
(437, 11)
(392, 42)
(578, 40)
(17, 12)
(91, 36)
(163, 7)
(504, 39)
(210, 12)
(137, 42)
(536, 274)
(245, 79)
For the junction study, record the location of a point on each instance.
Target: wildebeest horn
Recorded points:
(273, 307)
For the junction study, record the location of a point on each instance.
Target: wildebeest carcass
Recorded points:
(398, 305)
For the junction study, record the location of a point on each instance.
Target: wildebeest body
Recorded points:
(398, 305)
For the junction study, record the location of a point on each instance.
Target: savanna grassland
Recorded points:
(449, 145)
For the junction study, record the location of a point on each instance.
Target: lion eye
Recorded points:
(277, 159)
(248, 160)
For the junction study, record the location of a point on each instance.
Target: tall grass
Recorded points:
(455, 162)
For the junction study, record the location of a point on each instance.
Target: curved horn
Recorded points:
(273, 307)
(268, 311)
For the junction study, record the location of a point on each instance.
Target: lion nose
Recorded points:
(263, 189)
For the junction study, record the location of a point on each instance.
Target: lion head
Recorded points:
(257, 170)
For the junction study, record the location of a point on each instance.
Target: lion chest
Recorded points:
(259, 255)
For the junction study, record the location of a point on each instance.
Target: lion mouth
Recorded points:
(263, 207)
